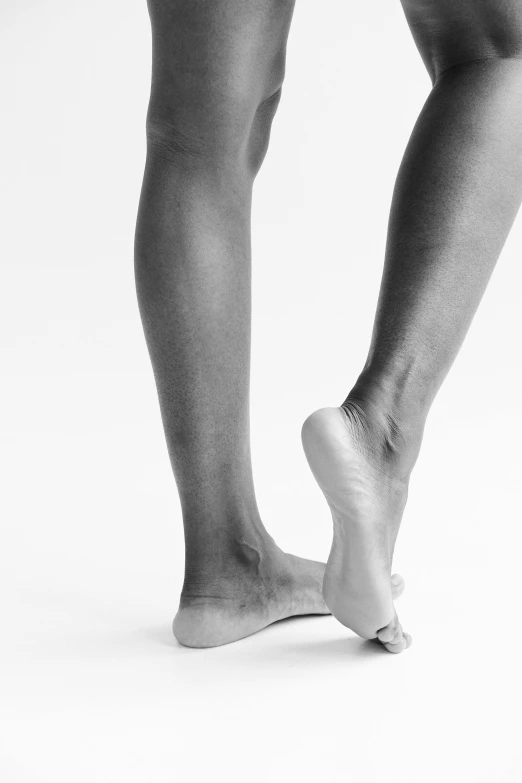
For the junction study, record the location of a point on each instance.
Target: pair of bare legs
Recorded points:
(218, 69)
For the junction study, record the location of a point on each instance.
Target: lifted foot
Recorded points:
(366, 495)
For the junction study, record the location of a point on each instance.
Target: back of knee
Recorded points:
(449, 35)
(259, 132)
(209, 127)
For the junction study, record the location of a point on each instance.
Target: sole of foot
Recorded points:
(222, 609)
(366, 501)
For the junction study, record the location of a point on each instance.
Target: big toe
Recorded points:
(393, 637)
(397, 586)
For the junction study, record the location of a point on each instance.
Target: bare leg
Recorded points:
(217, 72)
(457, 193)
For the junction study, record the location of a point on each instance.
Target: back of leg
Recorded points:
(457, 192)
(451, 32)
(217, 72)
(218, 66)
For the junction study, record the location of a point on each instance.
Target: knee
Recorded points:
(223, 127)
(461, 33)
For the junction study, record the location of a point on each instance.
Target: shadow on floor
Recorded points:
(336, 649)
(160, 634)
(268, 646)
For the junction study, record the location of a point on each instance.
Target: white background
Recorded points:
(94, 686)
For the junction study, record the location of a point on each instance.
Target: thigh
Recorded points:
(449, 32)
(210, 56)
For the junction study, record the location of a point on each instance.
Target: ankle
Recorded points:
(227, 573)
(394, 422)
(214, 521)
(226, 552)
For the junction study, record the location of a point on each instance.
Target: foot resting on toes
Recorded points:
(365, 482)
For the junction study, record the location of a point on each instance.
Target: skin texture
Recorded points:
(457, 193)
(217, 74)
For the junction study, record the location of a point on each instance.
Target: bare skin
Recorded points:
(457, 193)
(217, 73)
(366, 500)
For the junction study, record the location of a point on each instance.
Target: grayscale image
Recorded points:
(262, 376)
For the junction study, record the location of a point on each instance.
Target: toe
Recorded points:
(397, 585)
(388, 633)
(397, 648)
(393, 638)
(400, 642)
(399, 636)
